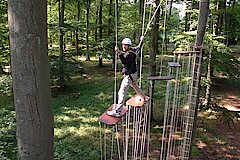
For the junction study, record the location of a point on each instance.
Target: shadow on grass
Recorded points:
(76, 113)
(216, 140)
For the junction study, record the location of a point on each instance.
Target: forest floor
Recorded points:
(78, 107)
(217, 139)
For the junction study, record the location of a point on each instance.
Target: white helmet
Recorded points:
(127, 41)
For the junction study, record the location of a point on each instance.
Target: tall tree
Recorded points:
(209, 80)
(88, 2)
(201, 30)
(154, 41)
(154, 47)
(61, 45)
(78, 19)
(110, 18)
(31, 79)
(116, 18)
(100, 60)
(221, 13)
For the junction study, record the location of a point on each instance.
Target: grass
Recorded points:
(76, 112)
(76, 117)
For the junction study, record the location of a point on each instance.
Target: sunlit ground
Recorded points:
(78, 107)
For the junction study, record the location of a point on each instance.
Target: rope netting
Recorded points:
(131, 138)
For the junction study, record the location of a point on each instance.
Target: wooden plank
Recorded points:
(174, 64)
(110, 120)
(186, 52)
(160, 78)
(137, 101)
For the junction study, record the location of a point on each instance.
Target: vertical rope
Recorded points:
(173, 113)
(105, 143)
(140, 110)
(133, 141)
(164, 30)
(143, 140)
(115, 61)
(141, 59)
(118, 144)
(186, 124)
(112, 143)
(185, 100)
(101, 146)
(127, 132)
(149, 118)
(166, 116)
(123, 133)
(178, 103)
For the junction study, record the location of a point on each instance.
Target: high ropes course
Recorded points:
(129, 136)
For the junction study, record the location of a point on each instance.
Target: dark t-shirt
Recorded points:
(129, 60)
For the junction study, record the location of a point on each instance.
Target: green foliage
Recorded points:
(71, 67)
(4, 42)
(6, 84)
(8, 146)
(105, 48)
(204, 82)
(184, 40)
(222, 61)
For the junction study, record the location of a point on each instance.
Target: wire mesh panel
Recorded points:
(111, 135)
(137, 129)
(180, 105)
(132, 139)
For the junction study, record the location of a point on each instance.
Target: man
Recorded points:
(129, 70)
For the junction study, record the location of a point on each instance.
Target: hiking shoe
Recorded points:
(113, 113)
(146, 98)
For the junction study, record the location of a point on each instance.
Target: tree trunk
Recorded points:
(78, 19)
(141, 12)
(1, 70)
(61, 45)
(116, 24)
(221, 7)
(110, 18)
(201, 29)
(154, 49)
(100, 20)
(209, 82)
(110, 28)
(96, 27)
(77, 42)
(87, 28)
(100, 58)
(31, 80)
(202, 22)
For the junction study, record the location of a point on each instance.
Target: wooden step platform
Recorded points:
(110, 120)
(159, 78)
(174, 64)
(137, 101)
(186, 52)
